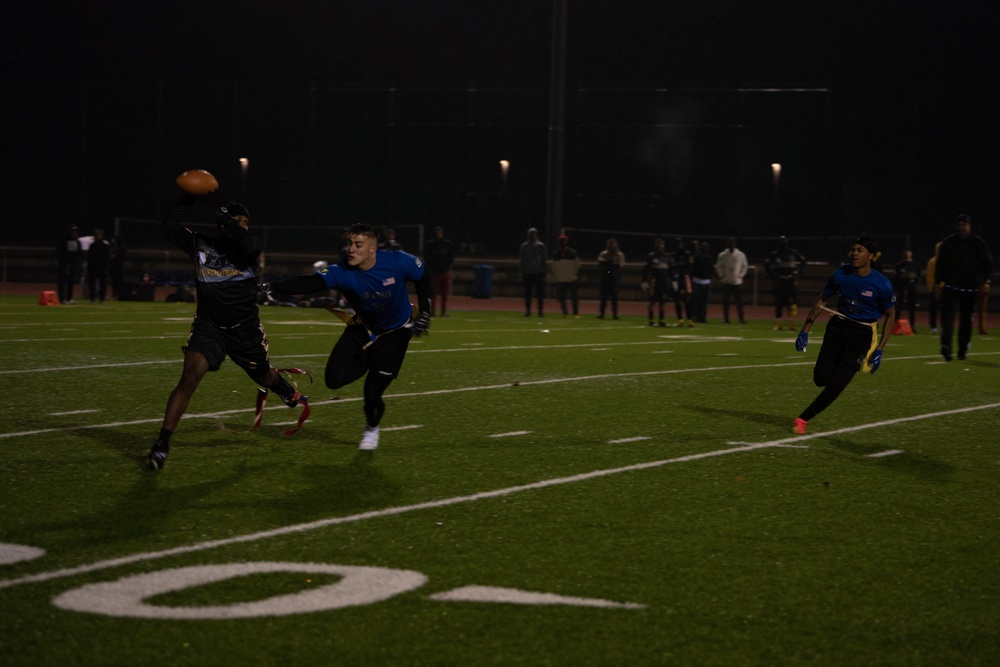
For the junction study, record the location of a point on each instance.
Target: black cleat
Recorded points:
(296, 398)
(157, 457)
(946, 352)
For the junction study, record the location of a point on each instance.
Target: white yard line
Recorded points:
(299, 528)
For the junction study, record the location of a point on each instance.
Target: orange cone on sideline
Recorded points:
(48, 298)
(903, 328)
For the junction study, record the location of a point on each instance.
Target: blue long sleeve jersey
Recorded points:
(378, 295)
(862, 298)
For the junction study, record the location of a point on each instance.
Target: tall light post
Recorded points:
(504, 169)
(776, 174)
(244, 165)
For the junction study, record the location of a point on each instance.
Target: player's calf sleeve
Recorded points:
(375, 386)
(284, 389)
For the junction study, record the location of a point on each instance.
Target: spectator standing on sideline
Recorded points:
(785, 265)
(68, 255)
(851, 341)
(565, 275)
(934, 300)
(907, 276)
(531, 261)
(681, 261)
(374, 283)
(656, 280)
(439, 254)
(610, 261)
(388, 241)
(702, 268)
(226, 320)
(116, 268)
(961, 275)
(731, 266)
(98, 263)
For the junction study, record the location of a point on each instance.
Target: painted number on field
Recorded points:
(127, 596)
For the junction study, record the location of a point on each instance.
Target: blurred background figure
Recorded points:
(439, 253)
(731, 266)
(785, 265)
(611, 260)
(68, 252)
(531, 261)
(565, 275)
(907, 275)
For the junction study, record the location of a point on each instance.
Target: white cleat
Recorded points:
(369, 439)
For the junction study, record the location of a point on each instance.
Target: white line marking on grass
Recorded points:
(73, 412)
(436, 392)
(363, 516)
(515, 596)
(638, 438)
(888, 452)
(402, 428)
(456, 500)
(509, 434)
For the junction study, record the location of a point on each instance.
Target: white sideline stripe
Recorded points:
(92, 366)
(395, 511)
(888, 452)
(438, 392)
(637, 438)
(73, 412)
(402, 428)
(364, 516)
(63, 369)
(509, 434)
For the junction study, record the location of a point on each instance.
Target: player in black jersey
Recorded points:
(656, 279)
(226, 321)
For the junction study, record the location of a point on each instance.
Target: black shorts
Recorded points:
(846, 346)
(350, 359)
(245, 344)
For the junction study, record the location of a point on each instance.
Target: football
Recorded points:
(197, 182)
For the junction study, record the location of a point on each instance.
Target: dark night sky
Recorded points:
(98, 96)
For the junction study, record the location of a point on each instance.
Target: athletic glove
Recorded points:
(421, 324)
(801, 341)
(265, 289)
(875, 360)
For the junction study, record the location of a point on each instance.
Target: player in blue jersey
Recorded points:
(374, 283)
(851, 341)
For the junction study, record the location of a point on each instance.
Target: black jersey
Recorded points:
(225, 267)
(658, 267)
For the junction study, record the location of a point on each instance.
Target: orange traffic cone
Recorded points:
(903, 328)
(48, 298)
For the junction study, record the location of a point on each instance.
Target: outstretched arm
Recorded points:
(296, 285)
(172, 229)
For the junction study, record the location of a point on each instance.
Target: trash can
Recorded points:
(483, 286)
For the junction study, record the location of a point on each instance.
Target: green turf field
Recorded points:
(546, 492)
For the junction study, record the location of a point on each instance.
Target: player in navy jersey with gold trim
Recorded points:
(374, 283)
(226, 321)
(851, 341)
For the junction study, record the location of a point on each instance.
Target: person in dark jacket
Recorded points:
(98, 263)
(68, 253)
(439, 254)
(962, 274)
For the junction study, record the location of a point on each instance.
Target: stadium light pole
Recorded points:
(244, 166)
(504, 169)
